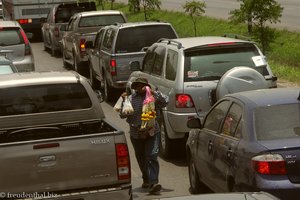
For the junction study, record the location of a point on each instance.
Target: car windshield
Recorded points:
(100, 20)
(10, 36)
(210, 63)
(43, 98)
(134, 39)
(277, 122)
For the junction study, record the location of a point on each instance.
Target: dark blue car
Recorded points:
(249, 141)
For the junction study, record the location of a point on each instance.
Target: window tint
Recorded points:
(159, 55)
(171, 65)
(149, 60)
(98, 39)
(100, 20)
(213, 62)
(64, 14)
(277, 122)
(10, 36)
(43, 98)
(134, 39)
(232, 120)
(109, 38)
(216, 116)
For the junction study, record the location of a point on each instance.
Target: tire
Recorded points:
(107, 91)
(94, 82)
(165, 147)
(195, 184)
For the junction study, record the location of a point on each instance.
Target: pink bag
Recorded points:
(149, 114)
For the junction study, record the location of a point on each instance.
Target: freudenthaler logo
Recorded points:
(27, 195)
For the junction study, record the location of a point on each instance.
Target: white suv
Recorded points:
(189, 70)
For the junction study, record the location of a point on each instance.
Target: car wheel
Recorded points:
(107, 90)
(193, 177)
(94, 82)
(165, 141)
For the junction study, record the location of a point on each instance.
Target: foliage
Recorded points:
(257, 14)
(134, 6)
(195, 9)
(149, 6)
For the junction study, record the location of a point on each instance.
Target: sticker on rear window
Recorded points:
(192, 74)
(259, 61)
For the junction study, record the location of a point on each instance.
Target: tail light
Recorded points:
(25, 21)
(123, 161)
(26, 42)
(270, 164)
(184, 101)
(113, 65)
(82, 46)
(56, 32)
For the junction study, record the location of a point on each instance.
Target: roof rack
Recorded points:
(179, 45)
(236, 36)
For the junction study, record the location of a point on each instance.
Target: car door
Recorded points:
(225, 147)
(95, 53)
(68, 39)
(204, 158)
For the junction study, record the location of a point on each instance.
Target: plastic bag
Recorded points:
(119, 104)
(148, 113)
(127, 107)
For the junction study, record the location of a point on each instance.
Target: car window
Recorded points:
(159, 55)
(43, 98)
(149, 60)
(63, 15)
(6, 69)
(216, 115)
(232, 120)
(99, 39)
(134, 39)
(10, 36)
(109, 38)
(171, 64)
(100, 20)
(216, 61)
(277, 122)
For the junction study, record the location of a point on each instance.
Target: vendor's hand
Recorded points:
(124, 94)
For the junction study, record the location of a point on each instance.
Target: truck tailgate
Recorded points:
(59, 164)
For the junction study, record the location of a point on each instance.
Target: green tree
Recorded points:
(258, 14)
(149, 6)
(134, 6)
(102, 4)
(195, 9)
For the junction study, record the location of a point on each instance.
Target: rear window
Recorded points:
(277, 122)
(64, 15)
(10, 36)
(6, 69)
(212, 62)
(134, 39)
(100, 20)
(43, 98)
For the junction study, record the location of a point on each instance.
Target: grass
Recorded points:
(284, 56)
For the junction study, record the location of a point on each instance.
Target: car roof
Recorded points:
(267, 97)
(190, 42)
(4, 24)
(100, 12)
(38, 78)
(134, 24)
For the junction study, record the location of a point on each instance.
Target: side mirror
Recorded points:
(89, 44)
(135, 66)
(194, 123)
(273, 78)
(99, 96)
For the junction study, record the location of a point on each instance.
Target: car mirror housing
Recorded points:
(194, 123)
(135, 66)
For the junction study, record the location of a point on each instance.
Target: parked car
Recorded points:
(57, 20)
(115, 46)
(249, 141)
(226, 196)
(13, 37)
(189, 70)
(81, 28)
(6, 65)
(55, 136)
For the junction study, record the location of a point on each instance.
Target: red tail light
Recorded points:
(82, 45)
(113, 65)
(25, 21)
(123, 161)
(26, 42)
(184, 101)
(269, 164)
(56, 32)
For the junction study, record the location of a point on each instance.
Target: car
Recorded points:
(1, 10)
(116, 46)
(6, 65)
(189, 71)
(13, 37)
(227, 196)
(249, 141)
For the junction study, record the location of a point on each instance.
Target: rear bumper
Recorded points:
(25, 65)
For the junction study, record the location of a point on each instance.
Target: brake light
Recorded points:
(184, 101)
(221, 44)
(56, 32)
(26, 42)
(45, 146)
(123, 161)
(269, 164)
(25, 21)
(82, 45)
(113, 65)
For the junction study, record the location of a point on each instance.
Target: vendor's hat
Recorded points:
(139, 80)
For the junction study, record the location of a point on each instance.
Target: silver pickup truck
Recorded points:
(55, 140)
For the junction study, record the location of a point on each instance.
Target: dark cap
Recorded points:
(139, 81)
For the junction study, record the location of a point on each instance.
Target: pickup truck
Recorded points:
(55, 140)
(81, 28)
(56, 21)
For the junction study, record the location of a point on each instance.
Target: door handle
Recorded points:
(47, 158)
(229, 153)
(210, 147)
